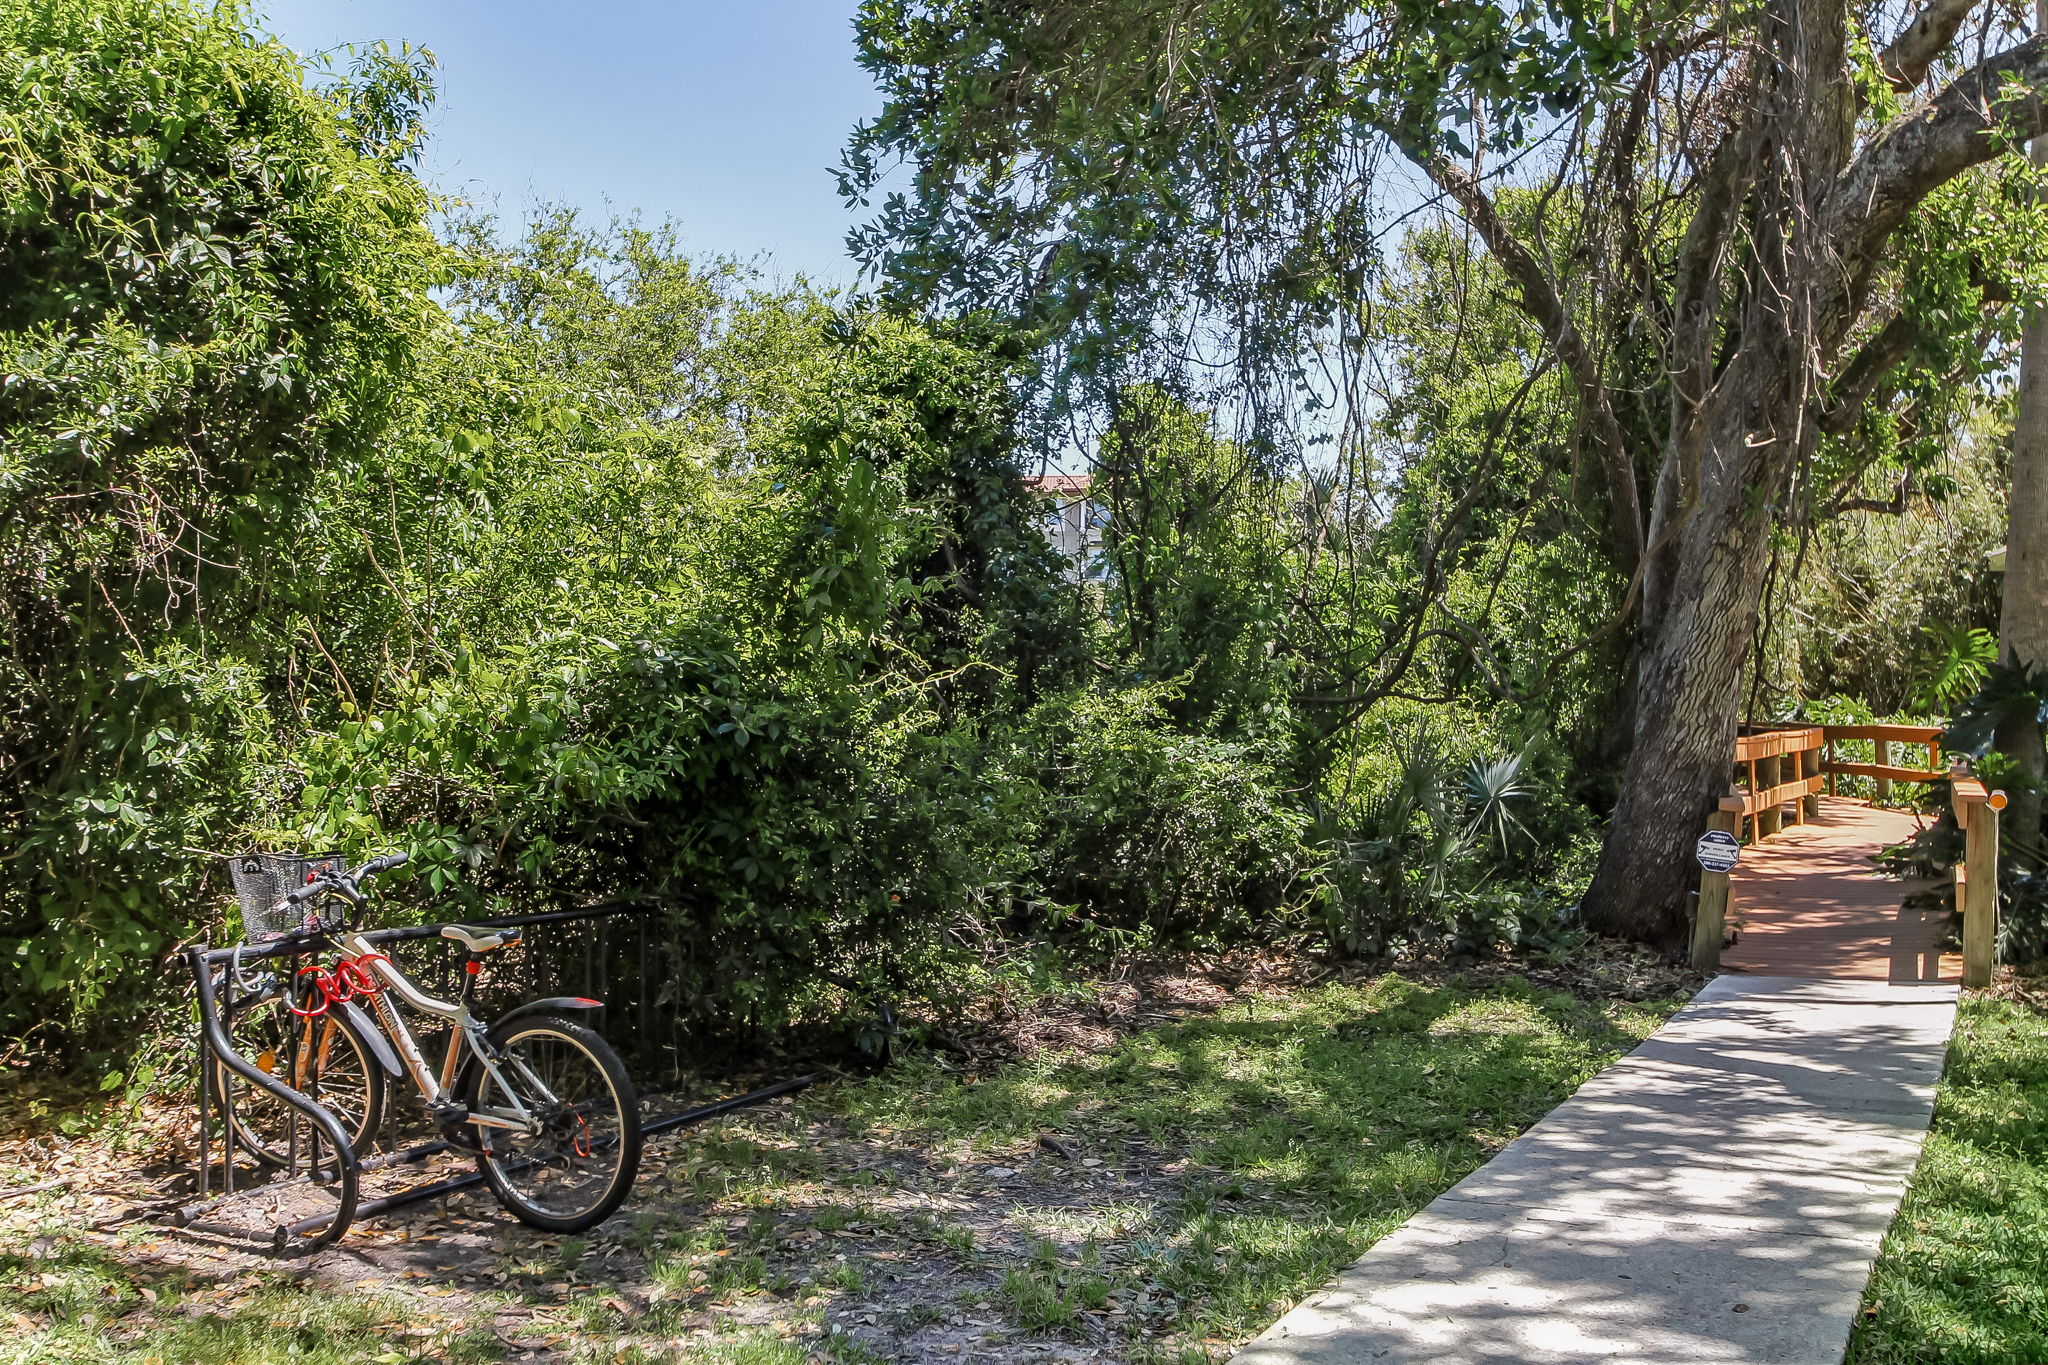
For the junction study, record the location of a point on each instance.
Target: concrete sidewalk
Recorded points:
(1717, 1195)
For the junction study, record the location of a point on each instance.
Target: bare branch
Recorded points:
(1859, 378)
(1695, 314)
(1906, 62)
(1540, 300)
(1959, 128)
(1873, 375)
(1894, 506)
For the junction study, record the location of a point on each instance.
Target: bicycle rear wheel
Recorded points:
(321, 1058)
(571, 1169)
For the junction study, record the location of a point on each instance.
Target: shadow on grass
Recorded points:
(1163, 1199)
(91, 1302)
(1963, 1277)
(1305, 1128)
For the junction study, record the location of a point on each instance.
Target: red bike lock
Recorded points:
(318, 987)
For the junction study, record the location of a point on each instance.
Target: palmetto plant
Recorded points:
(1391, 860)
(1489, 786)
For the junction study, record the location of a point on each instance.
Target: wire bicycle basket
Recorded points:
(263, 880)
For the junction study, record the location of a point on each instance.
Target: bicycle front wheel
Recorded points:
(571, 1163)
(321, 1057)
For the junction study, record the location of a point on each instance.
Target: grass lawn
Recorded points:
(1159, 1197)
(1963, 1277)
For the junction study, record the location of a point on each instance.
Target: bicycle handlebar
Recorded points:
(347, 884)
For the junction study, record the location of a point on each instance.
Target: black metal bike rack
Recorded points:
(613, 956)
(215, 1049)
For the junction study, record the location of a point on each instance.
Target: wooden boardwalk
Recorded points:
(1808, 903)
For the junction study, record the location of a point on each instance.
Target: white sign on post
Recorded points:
(1717, 851)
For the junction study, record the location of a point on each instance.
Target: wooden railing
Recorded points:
(1977, 875)
(1710, 920)
(1882, 738)
(1775, 768)
(1789, 766)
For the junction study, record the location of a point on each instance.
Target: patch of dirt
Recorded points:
(864, 1239)
(2026, 986)
(1147, 991)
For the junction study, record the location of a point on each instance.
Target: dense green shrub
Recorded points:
(1451, 846)
(213, 284)
(1162, 834)
(784, 829)
(797, 745)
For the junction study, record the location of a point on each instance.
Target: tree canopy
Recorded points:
(216, 293)
(1744, 234)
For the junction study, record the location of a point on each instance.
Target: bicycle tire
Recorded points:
(603, 1120)
(352, 1090)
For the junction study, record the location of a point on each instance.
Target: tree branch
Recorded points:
(1860, 377)
(1905, 63)
(1539, 299)
(1724, 186)
(1961, 127)
(1873, 372)
(1894, 506)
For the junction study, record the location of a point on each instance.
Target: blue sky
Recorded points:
(726, 117)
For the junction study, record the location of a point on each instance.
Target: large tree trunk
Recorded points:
(1684, 745)
(1750, 429)
(1689, 680)
(2023, 612)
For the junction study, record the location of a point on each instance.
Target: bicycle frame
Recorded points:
(466, 1031)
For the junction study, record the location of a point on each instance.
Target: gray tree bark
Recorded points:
(1816, 227)
(2023, 610)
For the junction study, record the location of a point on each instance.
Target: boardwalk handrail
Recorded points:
(1789, 765)
(1784, 766)
(1884, 771)
(1976, 810)
(1777, 767)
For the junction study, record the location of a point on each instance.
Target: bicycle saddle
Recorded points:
(478, 941)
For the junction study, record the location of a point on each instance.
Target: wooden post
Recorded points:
(1711, 925)
(1809, 766)
(1771, 818)
(1977, 889)
(1756, 829)
(1884, 759)
(1830, 766)
(1788, 771)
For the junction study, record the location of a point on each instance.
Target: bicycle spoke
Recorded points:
(320, 1058)
(572, 1162)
